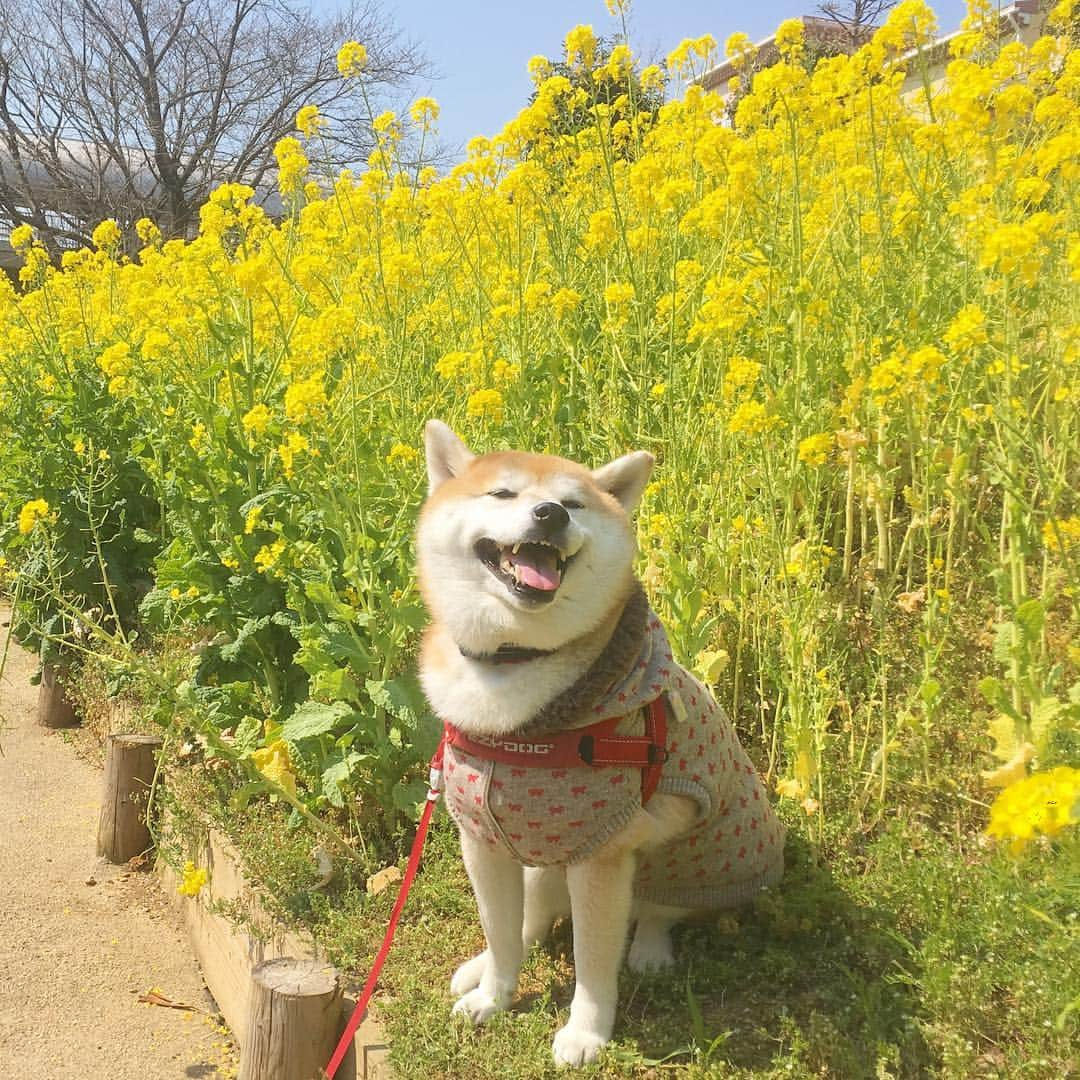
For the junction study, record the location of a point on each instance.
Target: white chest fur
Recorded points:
(484, 698)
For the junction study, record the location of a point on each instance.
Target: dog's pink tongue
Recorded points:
(538, 569)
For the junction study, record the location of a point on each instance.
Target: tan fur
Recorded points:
(472, 611)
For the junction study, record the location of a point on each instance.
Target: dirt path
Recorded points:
(74, 957)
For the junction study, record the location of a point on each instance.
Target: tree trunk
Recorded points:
(129, 771)
(294, 1019)
(54, 710)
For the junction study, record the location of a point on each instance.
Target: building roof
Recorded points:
(820, 30)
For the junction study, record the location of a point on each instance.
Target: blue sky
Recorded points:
(480, 48)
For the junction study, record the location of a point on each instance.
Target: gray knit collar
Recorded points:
(577, 705)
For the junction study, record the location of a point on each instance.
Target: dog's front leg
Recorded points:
(497, 882)
(600, 897)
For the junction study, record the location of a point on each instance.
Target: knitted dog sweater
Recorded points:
(556, 817)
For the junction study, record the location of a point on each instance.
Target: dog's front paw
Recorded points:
(651, 953)
(576, 1046)
(468, 976)
(477, 1005)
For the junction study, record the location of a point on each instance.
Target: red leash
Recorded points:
(434, 785)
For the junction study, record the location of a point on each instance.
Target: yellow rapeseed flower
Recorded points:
(751, 418)
(294, 444)
(486, 404)
(292, 165)
(305, 399)
(1042, 804)
(31, 514)
(618, 294)
(116, 360)
(402, 453)
(581, 46)
(814, 449)
(22, 236)
(256, 420)
(308, 121)
(200, 438)
(268, 556)
(107, 235)
(351, 59)
(789, 38)
(148, 232)
(564, 302)
(424, 111)
(1061, 534)
(193, 880)
(385, 122)
(601, 233)
(275, 763)
(967, 330)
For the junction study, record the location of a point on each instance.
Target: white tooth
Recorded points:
(517, 548)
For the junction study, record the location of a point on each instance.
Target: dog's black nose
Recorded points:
(550, 516)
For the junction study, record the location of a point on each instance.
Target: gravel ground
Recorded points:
(79, 941)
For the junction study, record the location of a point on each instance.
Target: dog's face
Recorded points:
(524, 549)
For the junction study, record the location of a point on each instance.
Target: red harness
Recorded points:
(595, 745)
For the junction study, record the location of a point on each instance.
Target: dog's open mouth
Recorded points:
(532, 570)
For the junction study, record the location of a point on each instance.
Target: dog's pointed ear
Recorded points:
(626, 477)
(447, 455)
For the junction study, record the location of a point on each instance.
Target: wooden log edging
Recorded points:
(130, 764)
(293, 1021)
(54, 709)
(229, 947)
(229, 953)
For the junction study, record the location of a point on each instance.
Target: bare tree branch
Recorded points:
(132, 108)
(856, 19)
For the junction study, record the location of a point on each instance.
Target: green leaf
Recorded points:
(1030, 616)
(337, 774)
(247, 631)
(402, 697)
(1044, 714)
(930, 690)
(1004, 642)
(380, 696)
(248, 734)
(407, 796)
(313, 718)
(991, 689)
(697, 1021)
(242, 795)
(321, 593)
(1007, 740)
(328, 647)
(337, 684)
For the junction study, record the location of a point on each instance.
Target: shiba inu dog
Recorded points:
(589, 774)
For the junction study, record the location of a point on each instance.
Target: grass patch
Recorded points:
(915, 953)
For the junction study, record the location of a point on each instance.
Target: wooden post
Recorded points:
(129, 772)
(54, 710)
(293, 1020)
